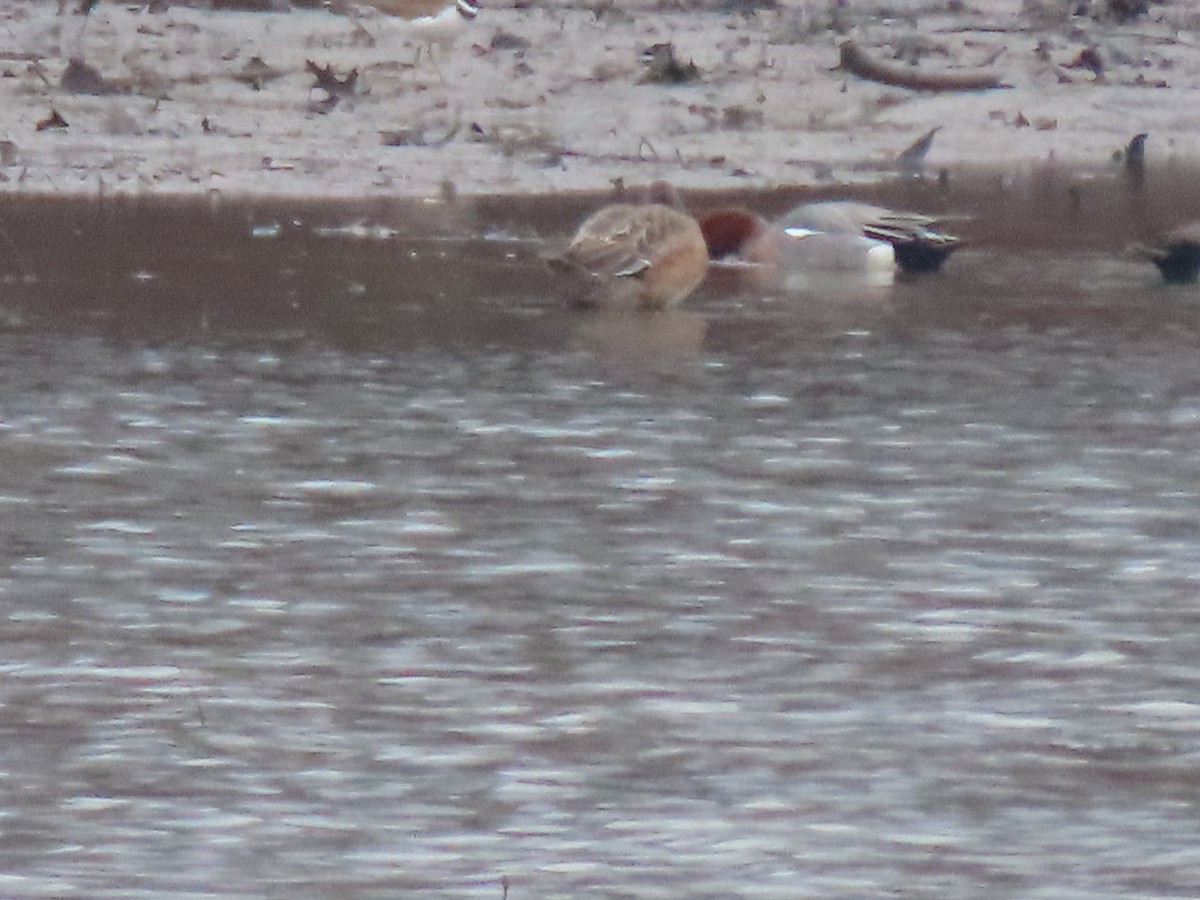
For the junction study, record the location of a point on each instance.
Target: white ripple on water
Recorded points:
(40, 886)
(335, 489)
(110, 467)
(530, 565)
(1178, 715)
(121, 527)
(182, 595)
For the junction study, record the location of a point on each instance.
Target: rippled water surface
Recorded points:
(339, 560)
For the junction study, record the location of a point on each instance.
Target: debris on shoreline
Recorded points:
(858, 62)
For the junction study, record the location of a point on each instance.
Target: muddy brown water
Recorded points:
(339, 560)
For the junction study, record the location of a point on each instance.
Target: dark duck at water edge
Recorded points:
(1176, 254)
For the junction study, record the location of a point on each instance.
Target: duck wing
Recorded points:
(918, 245)
(618, 240)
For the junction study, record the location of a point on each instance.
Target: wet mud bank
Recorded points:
(562, 96)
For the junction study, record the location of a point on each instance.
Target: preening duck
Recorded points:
(837, 235)
(637, 255)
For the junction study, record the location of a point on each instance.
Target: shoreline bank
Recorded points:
(557, 99)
